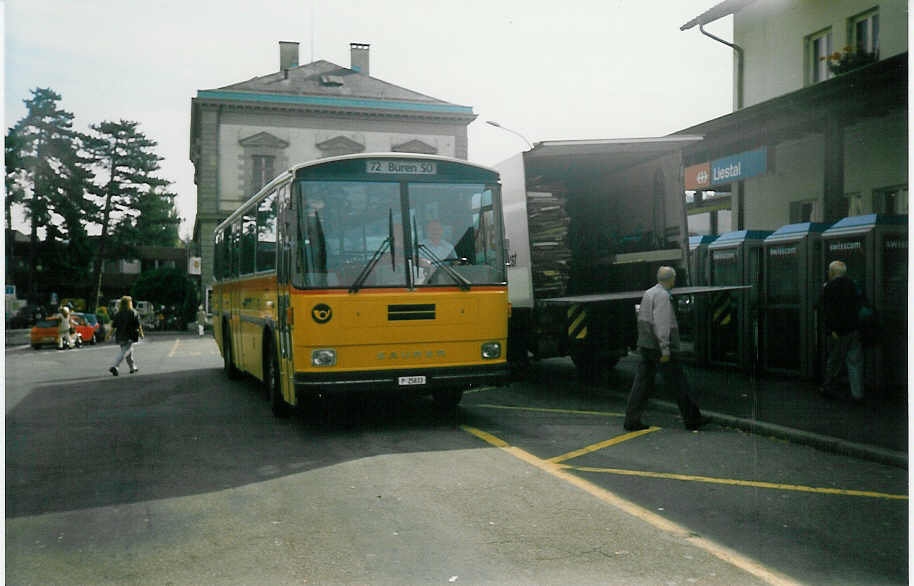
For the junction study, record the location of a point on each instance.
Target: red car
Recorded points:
(45, 332)
(98, 332)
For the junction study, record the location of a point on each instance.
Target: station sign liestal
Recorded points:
(727, 169)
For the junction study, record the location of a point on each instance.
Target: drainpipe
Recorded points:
(740, 191)
(739, 64)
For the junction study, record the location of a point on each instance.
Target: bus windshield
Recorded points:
(425, 234)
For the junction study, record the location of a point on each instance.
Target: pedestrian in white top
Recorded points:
(658, 341)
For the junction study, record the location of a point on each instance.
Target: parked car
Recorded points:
(45, 332)
(98, 333)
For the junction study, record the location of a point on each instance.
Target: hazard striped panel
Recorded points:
(577, 321)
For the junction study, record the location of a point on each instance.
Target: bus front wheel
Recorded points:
(272, 384)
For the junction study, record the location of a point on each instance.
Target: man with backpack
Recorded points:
(841, 303)
(127, 332)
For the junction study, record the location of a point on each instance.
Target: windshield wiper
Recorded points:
(462, 281)
(376, 256)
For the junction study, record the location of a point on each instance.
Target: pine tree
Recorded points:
(48, 167)
(15, 174)
(15, 193)
(137, 210)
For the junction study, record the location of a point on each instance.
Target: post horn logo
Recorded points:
(321, 313)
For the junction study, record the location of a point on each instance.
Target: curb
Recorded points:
(822, 442)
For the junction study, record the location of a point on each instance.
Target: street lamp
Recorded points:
(497, 125)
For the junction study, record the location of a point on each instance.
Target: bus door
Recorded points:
(284, 315)
(234, 321)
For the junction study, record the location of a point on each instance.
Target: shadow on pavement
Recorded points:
(85, 444)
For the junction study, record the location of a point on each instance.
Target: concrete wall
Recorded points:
(773, 33)
(875, 156)
(798, 175)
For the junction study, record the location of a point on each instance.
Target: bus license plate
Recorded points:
(411, 380)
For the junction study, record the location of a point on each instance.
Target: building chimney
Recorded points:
(359, 57)
(288, 55)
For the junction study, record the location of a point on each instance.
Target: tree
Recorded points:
(15, 173)
(48, 166)
(137, 208)
(170, 287)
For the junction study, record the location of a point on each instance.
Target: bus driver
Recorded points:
(440, 249)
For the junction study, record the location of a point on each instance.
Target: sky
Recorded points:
(547, 70)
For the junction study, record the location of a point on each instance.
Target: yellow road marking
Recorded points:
(544, 410)
(174, 349)
(753, 483)
(559, 471)
(604, 444)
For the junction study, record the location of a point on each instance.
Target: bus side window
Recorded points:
(236, 249)
(266, 233)
(284, 234)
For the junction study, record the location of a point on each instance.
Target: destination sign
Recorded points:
(394, 167)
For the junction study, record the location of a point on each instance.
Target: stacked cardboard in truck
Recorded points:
(551, 256)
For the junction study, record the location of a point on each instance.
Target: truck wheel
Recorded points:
(272, 384)
(228, 361)
(585, 361)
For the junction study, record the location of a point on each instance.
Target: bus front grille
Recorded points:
(409, 312)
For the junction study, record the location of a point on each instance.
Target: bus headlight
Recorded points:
(491, 350)
(323, 357)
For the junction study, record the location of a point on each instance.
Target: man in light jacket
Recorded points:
(658, 339)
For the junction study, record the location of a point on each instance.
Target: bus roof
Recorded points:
(391, 155)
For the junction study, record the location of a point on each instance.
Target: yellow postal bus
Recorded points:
(367, 272)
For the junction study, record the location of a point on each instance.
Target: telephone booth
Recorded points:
(792, 270)
(735, 258)
(698, 259)
(875, 249)
(692, 310)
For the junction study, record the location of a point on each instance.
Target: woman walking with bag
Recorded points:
(127, 331)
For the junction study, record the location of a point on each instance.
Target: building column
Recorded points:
(835, 206)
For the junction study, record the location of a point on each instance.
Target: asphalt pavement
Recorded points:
(771, 405)
(791, 409)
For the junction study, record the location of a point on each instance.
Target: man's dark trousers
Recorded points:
(673, 379)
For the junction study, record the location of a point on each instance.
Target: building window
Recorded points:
(854, 204)
(863, 32)
(803, 211)
(818, 49)
(891, 200)
(263, 170)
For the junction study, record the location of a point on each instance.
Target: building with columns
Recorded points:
(243, 134)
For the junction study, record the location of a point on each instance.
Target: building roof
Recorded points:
(325, 84)
(725, 8)
(870, 91)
